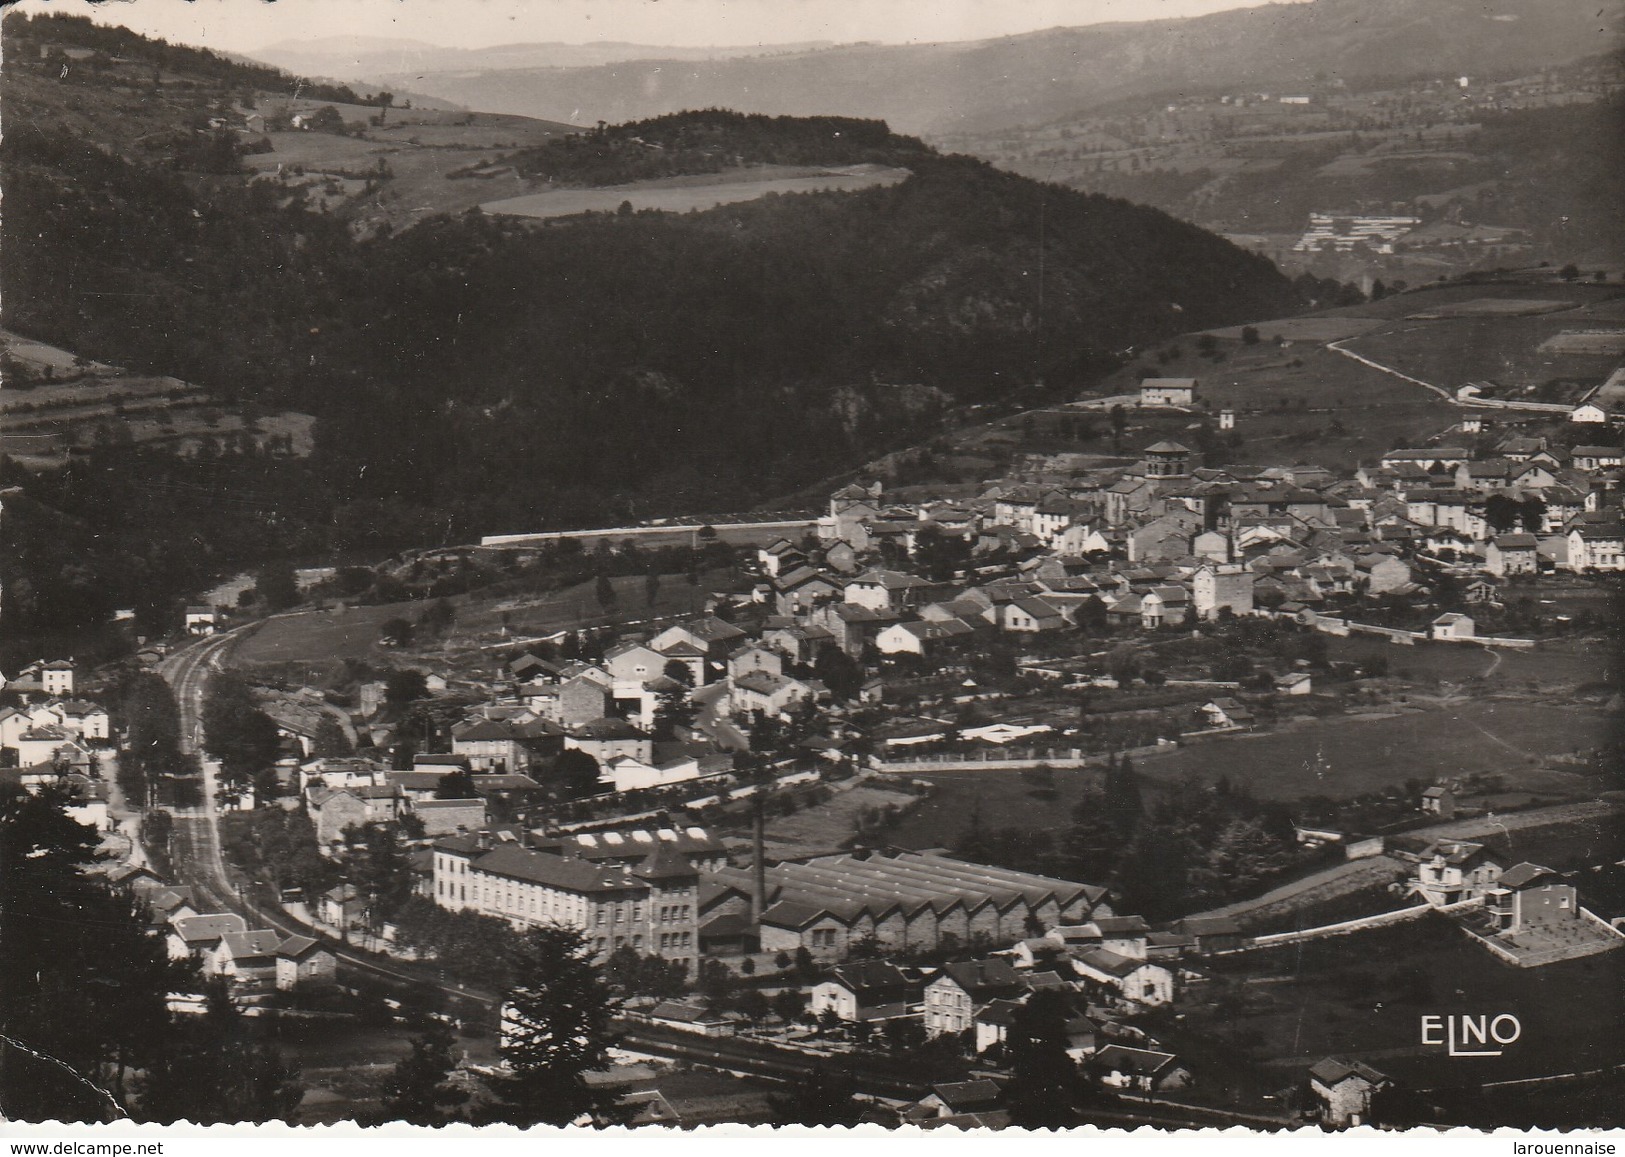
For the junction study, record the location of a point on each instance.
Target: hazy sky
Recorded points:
(245, 25)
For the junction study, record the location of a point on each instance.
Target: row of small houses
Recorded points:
(254, 961)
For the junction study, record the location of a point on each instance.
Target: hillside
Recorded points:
(475, 374)
(358, 58)
(986, 85)
(1500, 172)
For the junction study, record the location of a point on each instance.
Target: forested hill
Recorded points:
(476, 374)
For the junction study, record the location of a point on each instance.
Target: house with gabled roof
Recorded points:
(1032, 615)
(955, 1099)
(1451, 871)
(1596, 546)
(1136, 981)
(995, 1019)
(303, 962)
(1142, 1070)
(248, 958)
(867, 990)
(919, 637)
(888, 590)
(1343, 1091)
(961, 988)
(199, 937)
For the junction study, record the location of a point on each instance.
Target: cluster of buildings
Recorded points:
(254, 961)
(51, 736)
(1525, 912)
(1165, 542)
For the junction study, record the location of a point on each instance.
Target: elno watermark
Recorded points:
(1484, 1035)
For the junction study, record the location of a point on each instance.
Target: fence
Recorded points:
(1019, 760)
(1346, 927)
(508, 540)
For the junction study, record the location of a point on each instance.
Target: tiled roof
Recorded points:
(262, 942)
(568, 875)
(210, 927)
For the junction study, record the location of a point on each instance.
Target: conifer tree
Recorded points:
(556, 1030)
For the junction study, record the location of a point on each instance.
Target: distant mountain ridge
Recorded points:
(981, 85)
(364, 58)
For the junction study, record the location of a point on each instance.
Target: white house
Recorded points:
(1597, 546)
(57, 677)
(1168, 391)
(1138, 981)
(1452, 625)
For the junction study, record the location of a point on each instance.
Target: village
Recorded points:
(685, 791)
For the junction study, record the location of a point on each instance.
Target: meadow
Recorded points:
(683, 195)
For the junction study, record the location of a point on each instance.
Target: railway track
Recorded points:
(197, 859)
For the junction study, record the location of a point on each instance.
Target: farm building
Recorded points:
(1168, 391)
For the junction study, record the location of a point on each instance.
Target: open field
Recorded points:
(1505, 350)
(1313, 329)
(352, 632)
(1494, 307)
(1434, 298)
(1349, 755)
(1003, 799)
(682, 195)
(829, 824)
(420, 147)
(1564, 665)
(1338, 757)
(1363, 996)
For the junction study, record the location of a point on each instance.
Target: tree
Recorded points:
(330, 742)
(384, 101)
(1119, 417)
(558, 1019)
(1091, 615)
(84, 982)
(457, 784)
(577, 773)
(277, 587)
(1122, 804)
(651, 588)
(604, 591)
(788, 1004)
(1045, 1086)
(825, 1096)
(715, 982)
(380, 871)
(236, 732)
(674, 712)
(1249, 335)
(396, 632)
(218, 1070)
(437, 618)
(838, 671)
(417, 1092)
(1502, 512)
(630, 973)
(1533, 513)
(405, 685)
(152, 722)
